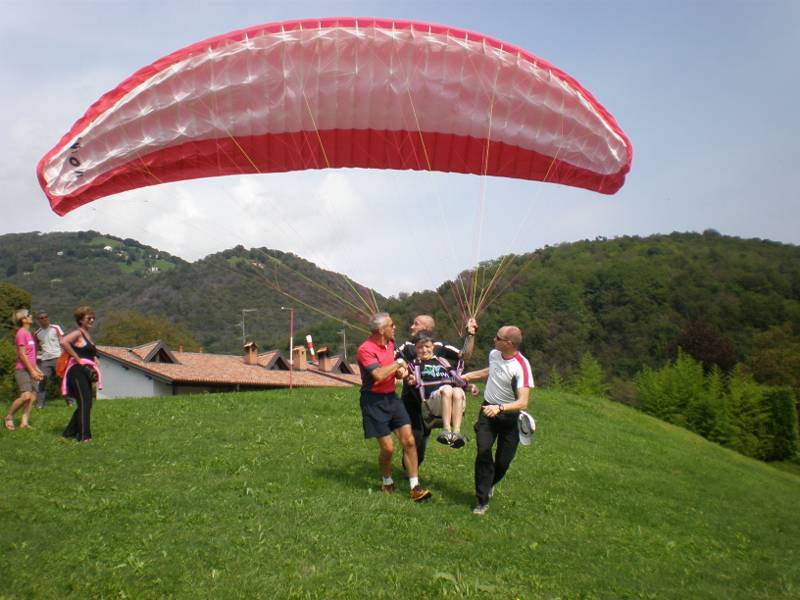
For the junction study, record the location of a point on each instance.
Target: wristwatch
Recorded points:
(502, 408)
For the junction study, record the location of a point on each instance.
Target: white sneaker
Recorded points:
(480, 509)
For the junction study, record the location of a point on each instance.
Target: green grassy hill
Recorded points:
(268, 495)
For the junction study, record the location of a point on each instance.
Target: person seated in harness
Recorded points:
(441, 391)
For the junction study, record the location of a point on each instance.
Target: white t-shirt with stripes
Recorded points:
(506, 377)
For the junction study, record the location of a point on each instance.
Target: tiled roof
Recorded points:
(336, 373)
(145, 349)
(220, 369)
(267, 359)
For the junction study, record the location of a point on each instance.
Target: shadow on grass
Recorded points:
(57, 429)
(357, 474)
(363, 473)
(458, 492)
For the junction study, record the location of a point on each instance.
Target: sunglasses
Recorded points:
(497, 338)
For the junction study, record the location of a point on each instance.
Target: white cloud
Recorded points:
(716, 154)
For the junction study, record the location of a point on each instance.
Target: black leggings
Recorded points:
(80, 388)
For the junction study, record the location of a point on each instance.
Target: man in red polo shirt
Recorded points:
(382, 411)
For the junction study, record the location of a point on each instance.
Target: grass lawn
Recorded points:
(262, 495)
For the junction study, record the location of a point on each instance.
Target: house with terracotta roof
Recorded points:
(153, 369)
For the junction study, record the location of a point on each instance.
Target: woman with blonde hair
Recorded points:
(27, 374)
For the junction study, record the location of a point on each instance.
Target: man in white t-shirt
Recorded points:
(48, 342)
(509, 380)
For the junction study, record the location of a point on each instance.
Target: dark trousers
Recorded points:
(490, 469)
(80, 388)
(421, 433)
(48, 368)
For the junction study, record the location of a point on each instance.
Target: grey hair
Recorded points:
(377, 321)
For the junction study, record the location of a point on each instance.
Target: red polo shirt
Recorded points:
(372, 355)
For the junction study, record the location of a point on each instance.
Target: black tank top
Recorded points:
(88, 351)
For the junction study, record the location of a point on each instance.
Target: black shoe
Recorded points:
(458, 440)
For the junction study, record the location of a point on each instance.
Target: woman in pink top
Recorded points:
(27, 373)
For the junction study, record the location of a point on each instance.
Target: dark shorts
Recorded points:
(381, 414)
(24, 381)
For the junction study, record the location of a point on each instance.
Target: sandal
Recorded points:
(25, 426)
(10, 423)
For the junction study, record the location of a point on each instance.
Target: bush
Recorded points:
(589, 380)
(130, 328)
(749, 414)
(669, 392)
(624, 392)
(783, 424)
(8, 359)
(555, 381)
(736, 412)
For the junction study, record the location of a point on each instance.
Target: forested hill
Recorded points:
(630, 301)
(633, 301)
(64, 270)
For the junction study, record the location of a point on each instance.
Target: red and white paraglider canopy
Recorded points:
(344, 92)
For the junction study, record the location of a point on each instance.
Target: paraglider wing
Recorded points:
(338, 93)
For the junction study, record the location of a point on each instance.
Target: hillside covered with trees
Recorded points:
(125, 280)
(701, 330)
(632, 302)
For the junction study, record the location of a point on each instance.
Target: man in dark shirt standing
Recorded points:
(408, 352)
(382, 411)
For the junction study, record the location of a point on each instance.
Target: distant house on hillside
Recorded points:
(153, 369)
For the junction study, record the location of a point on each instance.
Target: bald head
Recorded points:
(512, 334)
(422, 323)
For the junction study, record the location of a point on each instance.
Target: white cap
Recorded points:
(527, 427)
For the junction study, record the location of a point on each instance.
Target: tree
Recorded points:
(669, 392)
(8, 359)
(705, 343)
(783, 424)
(130, 328)
(750, 414)
(589, 379)
(11, 298)
(775, 359)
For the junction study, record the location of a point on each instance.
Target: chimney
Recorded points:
(251, 353)
(324, 359)
(299, 359)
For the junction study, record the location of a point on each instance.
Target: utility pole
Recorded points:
(245, 310)
(291, 342)
(344, 343)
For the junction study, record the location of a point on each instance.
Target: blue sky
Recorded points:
(706, 91)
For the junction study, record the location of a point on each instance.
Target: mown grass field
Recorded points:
(276, 495)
